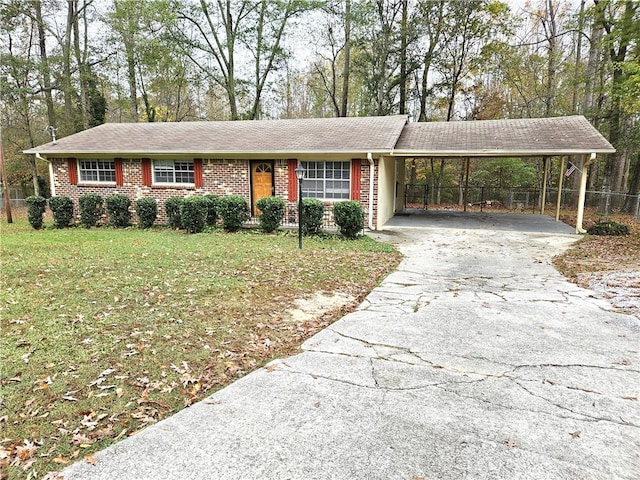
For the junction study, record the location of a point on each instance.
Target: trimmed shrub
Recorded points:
(62, 209)
(91, 209)
(234, 211)
(608, 228)
(349, 216)
(35, 209)
(211, 202)
(272, 213)
(172, 209)
(193, 212)
(118, 210)
(147, 211)
(312, 214)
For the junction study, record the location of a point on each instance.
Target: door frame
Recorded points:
(252, 164)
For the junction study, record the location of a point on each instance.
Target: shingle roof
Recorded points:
(357, 135)
(517, 137)
(321, 135)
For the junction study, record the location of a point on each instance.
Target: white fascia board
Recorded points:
(497, 153)
(213, 154)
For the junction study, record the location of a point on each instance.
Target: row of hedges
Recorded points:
(193, 214)
(92, 207)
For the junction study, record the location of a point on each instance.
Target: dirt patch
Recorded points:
(317, 305)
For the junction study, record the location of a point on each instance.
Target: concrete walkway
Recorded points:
(475, 359)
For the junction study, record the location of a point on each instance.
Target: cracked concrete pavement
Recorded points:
(474, 360)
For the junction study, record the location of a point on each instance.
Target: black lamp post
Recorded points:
(300, 174)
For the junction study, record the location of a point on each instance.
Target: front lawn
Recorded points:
(106, 331)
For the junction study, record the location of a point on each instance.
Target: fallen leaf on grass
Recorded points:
(52, 476)
(92, 459)
(26, 451)
(61, 460)
(81, 440)
(42, 383)
(69, 396)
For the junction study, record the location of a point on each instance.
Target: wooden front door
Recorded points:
(261, 182)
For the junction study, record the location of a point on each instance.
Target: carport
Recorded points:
(544, 138)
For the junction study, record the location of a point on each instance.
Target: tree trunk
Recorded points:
(346, 70)
(67, 87)
(552, 32)
(413, 172)
(82, 67)
(574, 99)
(613, 178)
(45, 68)
(634, 187)
(403, 59)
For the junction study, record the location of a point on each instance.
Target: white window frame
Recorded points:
(328, 192)
(168, 167)
(98, 168)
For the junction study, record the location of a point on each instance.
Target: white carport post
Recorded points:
(583, 192)
(560, 179)
(545, 179)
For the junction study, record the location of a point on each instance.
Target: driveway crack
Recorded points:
(591, 418)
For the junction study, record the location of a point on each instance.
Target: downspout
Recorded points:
(372, 169)
(52, 185)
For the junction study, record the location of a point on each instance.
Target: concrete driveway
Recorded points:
(475, 359)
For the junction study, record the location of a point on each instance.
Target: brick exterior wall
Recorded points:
(220, 177)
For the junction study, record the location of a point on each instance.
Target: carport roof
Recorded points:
(526, 137)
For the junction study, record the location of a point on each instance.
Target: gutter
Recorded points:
(497, 153)
(52, 184)
(372, 169)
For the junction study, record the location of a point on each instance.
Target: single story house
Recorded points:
(354, 158)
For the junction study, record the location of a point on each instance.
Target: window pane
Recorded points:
(170, 171)
(97, 171)
(328, 180)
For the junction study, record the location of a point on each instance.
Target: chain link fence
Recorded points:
(520, 199)
(16, 198)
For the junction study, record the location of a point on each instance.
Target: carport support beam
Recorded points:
(560, 179)
(583, 192)
(545, 179)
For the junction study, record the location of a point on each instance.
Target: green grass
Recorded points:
(106, 331)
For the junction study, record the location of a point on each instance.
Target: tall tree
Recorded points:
(44, 63)
(156, 72)
(333, 55)
(621, 23)
(470, 27)
(227, 33)
(431, 17)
